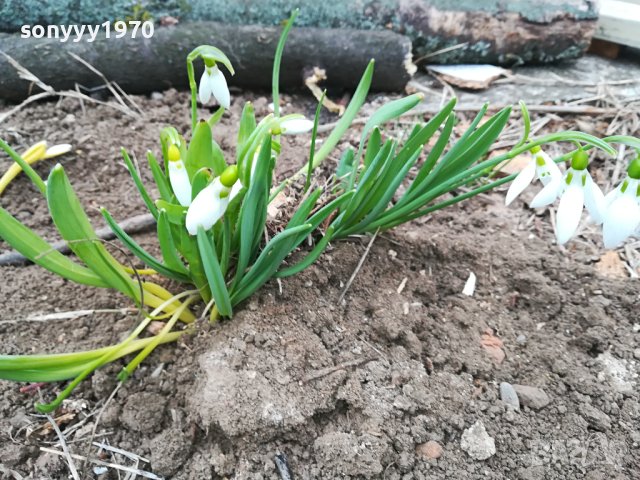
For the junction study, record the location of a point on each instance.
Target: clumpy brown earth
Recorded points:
(383, 384)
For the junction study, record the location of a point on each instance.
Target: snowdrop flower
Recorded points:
(213, 83)
(622, 208)
(541, 166)
(576, 190)
(212, 201)
(294, 126)
(178, 176)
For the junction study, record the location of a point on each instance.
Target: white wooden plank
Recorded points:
(619, 22)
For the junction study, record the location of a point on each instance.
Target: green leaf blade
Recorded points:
(213, 272)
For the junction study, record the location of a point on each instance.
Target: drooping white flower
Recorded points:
(213, 83)
(178, 176)
(212, 201)
(541, 166)
(622, 208)
(294, 126)
(208, 207)
(576, 191)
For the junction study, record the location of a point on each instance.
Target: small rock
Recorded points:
(532, 397)
(156, 96)
(169, 451)
(477, 442)
(595, 418)
(431, 449)
(521, 339)
(13, 454)
(509, 396)
(144, 411)
(69, 119)
(636, 354)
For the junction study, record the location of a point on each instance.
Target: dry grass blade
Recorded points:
(51, 92)
(123, 468)
(26, 74)
(114, 88)
(65, 448)
(119, 451)
(358, 267)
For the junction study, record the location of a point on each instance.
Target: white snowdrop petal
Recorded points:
(620, 221)
(180, 184)
(207, 208)
(594, 200)
(552, 168)
(235, 190)
(56, 150)
(522, 181)
(610, 197)
(543, 172)
(569, 213)
(295, 126)
(204, 89)
(548, 194)
(219, 88)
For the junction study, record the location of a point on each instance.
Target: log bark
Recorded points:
(142, 65)
(492, 31)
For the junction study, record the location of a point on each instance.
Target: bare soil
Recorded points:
(348, 389)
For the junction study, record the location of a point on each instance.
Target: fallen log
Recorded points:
(480, 31)
(142, 65)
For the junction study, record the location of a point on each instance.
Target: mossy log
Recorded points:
(142, 65)
(483, 31)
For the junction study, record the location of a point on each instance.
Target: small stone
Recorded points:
(477, 442)
(560, 367)
(636, 354)
(13, 454)
(595, 418)
(144, 412)
(532, 397)
(69, 119)
(521, 339)
(169, 451)
(430, 449)
(156, 96)
(509, 396)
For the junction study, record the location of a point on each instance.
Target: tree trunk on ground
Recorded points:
(143, 65)
(492, 31)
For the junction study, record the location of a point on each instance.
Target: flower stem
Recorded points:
(194, 93)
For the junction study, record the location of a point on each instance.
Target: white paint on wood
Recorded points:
(619, 22)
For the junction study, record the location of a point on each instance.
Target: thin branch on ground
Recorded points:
(358, 267)
(50, 92)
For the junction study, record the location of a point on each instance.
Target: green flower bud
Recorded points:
(580, 160)
(173, 153)
(229, 176)
(634, 168)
